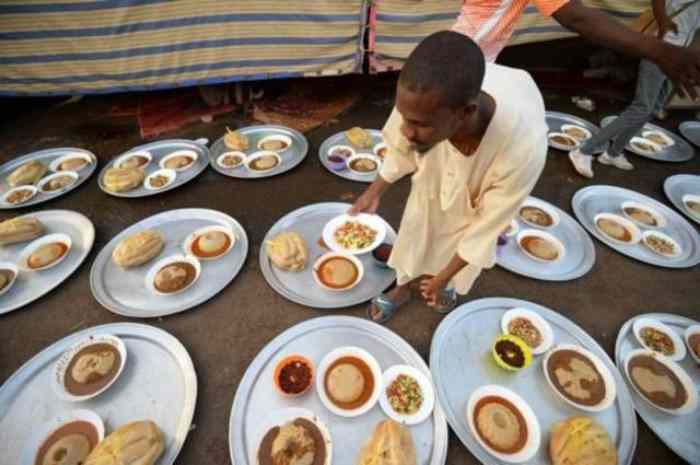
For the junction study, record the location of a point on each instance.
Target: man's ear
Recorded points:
(466, 112)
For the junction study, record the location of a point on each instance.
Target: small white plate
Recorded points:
(537, 321)
(32, 189)
(249, 161)
(373, 221)
(241, 155)
(534, 434)
(569, 127)
(677, 251)
(275, 137)
(692, 401)
(622, 221)
(641, 323)
(574, 143)
(58, 379)
(374, 367)
(633, 144)
(426, 387)
(352, 258)
(15, 270)
(543, 235)
(668, 142)
(168, 173)
(689, 331)
(147, 155)
(180, 153)
(42, 433)
(368, 156)
(608, 380)
(660, 219)
(71, 174)
(534, 203)
(187, 246)
(687, 198)
(162, 263)
(35, 244)
(54, 165)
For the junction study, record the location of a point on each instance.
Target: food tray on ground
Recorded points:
(679, 152)
(679, 433)
(555, 120)
(300, 287)
(158, 151)
(31, 285)
(124, 291)
(679, 185)
(691, 131)
(45, 157)
(28, 400)
(461, 362)
(590, 201)
(577, 261)
(341, 139)
(256, 396)
(291, 157)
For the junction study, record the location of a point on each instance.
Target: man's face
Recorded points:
(427, 120)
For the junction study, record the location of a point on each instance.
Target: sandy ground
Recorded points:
(224, 335)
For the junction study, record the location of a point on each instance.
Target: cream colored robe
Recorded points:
(458, 204)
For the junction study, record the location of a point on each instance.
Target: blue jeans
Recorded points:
(653, 89)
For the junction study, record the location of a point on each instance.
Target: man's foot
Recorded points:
(583, 164)
(619, 161)
(447, 301)
(385, 305)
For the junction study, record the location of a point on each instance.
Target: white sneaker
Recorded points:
(619, 161)
(583, 164)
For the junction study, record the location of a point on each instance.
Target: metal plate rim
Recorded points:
(683, 129)
(678, 203)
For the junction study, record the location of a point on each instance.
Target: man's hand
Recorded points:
(682, 66)
(666, 24)
(430, 289)
(366, 203)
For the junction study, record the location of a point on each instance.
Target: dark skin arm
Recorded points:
(681, 65)
(665, 23)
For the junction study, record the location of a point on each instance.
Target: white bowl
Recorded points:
(668, 142)
(534, 435)
(343, 147)
(369, 156)
(15, 270)
(168, 173)
(377, 148)
(692, 401)
(608, 380)
(220, 159)
(352, 258)
(256, 155)
(677, 250)
(559, 146)
(147, 155)
(42, 432)
(187, 246)
(426, 387)
(59, 375)
(645, 322)
(35, 244)
(280, 417)
(543, 235)
(373, 221)
(179, 153)
(660, 219)
(687, 198)
(689, 331)
(537, 321)
(33, 190)
(167, 261)
(71, 174)
(53, 166)
(374, 368)
(566, 127)
(275, 137)
(656, 148)
(624, 222)
(548, 209)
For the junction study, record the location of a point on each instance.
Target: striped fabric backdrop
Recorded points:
(101, 46)
(398, 25)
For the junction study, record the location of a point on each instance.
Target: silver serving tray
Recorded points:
(675, 187)
(677, 153)
(159, 150)
(340, 139)
(256, 396)
(460, 362)
(691, 131)
(27, 400)
(578, 260)
(291, 157)
(301, 287)
(590, 201)
(124, 291)
(32, 285)
(46, 157)
(555, 120)
(679, 433)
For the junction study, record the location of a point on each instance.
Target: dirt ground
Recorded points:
(224, 334)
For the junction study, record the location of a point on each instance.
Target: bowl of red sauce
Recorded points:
(293, 375)
(381, 255)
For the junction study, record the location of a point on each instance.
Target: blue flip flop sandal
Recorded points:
(386, 307)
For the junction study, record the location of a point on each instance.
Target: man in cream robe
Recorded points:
(474, 144)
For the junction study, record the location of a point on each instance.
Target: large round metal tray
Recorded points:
(679, 152)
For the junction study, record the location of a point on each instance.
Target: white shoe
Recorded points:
(583, 164)
(619, 161)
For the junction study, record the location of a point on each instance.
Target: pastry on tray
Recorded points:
(359, 138)
(288, 251)
(20, 230)
(581, 441)
(390, 444)
(28, 173)
(235, 140)
(137, 443)
(123, 179)
(138, 249)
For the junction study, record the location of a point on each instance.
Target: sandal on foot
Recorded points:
(447, 301)
(386, 306)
